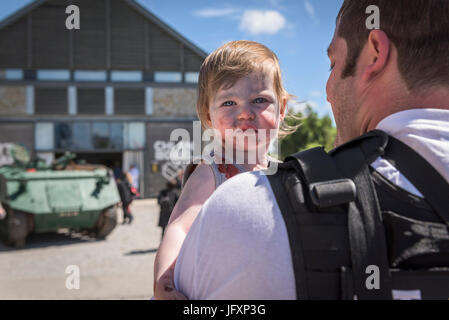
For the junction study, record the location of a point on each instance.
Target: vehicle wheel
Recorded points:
(17, 228)
(106, 223)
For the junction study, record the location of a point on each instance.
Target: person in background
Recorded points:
(134, 172)
(167, 199)
(179, 177)
(2, 212)
(126, 196)
(117, 169)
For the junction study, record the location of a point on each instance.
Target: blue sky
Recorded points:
(298, 31)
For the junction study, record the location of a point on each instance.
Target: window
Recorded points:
(63, 135)
(90, 136)
(134, 135)
(13, 74)
(44, 137)
(86, 75)
(100, 135)
(116, 135)
(56, 75)
(126, 76)
(191, 77)
(167, 77)
(82, 136)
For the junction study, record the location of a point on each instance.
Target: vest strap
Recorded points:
(429, 182)
(366, 233)
(293, 230)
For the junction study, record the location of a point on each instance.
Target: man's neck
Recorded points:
(434, 98)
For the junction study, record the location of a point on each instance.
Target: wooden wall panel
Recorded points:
(192, 62)
(22, 133)
(90, 39)
(164, 51)
(50, 101)
(91, 101)
(13, 45)
(127, 37)
(50, 35)
(129, 101)
(136, 42)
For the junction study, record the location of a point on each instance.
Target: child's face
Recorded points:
(251, 103)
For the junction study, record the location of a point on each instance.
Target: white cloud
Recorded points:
(313, 104)
(315, 94)
(297, 106)
(262, 22)
(300, 106)
(207, 13)
(309, 8)
(275, 3)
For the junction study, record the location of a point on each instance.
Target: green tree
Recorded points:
(313, 131)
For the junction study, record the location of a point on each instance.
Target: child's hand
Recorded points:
(165, 287)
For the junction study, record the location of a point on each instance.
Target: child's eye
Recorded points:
(260, 100)
(228, 103)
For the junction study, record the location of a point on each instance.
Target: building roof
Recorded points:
(136, 6)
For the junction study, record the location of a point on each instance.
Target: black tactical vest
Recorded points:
(355, 235)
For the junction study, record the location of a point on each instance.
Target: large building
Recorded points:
(110, 91)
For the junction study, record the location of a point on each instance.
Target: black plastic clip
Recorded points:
(332, 193)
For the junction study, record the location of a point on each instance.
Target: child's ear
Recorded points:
(283, 108)
(208, 120)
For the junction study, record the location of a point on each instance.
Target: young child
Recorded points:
(239, 88)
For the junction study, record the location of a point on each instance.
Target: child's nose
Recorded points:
(246, 113)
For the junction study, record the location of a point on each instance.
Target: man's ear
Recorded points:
(377, 53)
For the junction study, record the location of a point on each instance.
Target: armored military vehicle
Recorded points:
(36, 197)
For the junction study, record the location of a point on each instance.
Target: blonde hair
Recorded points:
(231, 62)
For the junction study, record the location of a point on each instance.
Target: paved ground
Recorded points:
(120, 267)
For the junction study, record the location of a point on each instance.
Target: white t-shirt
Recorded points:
(238, 248)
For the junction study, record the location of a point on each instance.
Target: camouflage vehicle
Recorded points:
(36, 197)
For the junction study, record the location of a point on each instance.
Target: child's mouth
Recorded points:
(246, 128)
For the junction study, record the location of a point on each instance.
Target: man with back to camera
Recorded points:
(395, 79)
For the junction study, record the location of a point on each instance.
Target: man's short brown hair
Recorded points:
(419, 29)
